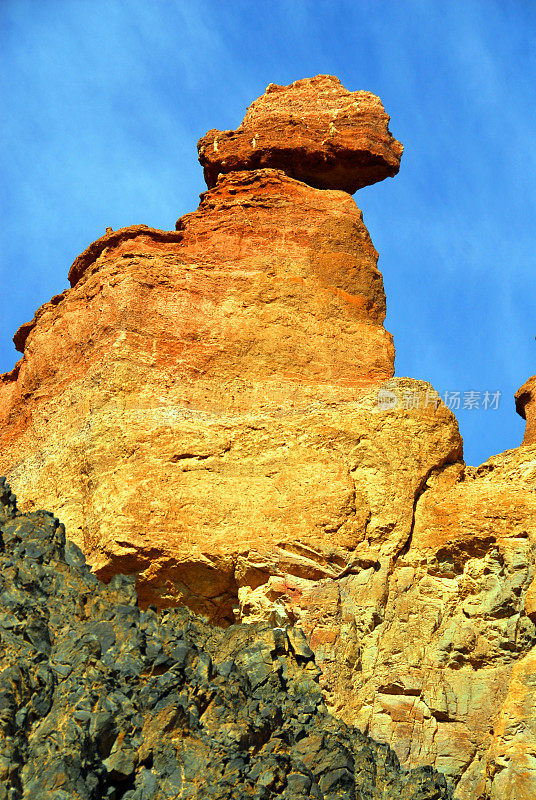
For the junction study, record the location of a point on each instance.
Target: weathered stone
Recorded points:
(509, 768)
(525, 398)
(423, 646)
(300, 492)
(212, 410)
(119, 725)
(314, 130)
(178, 386)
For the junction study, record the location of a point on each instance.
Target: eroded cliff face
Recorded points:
(166, 390)
(213, 410)
(430, 648)
(103, 700)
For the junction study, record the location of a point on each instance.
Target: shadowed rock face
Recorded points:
(102, 700)
(525, 398)
(314, 130)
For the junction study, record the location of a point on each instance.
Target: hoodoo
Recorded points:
(173, 405)
(213, 410)
(526, 407)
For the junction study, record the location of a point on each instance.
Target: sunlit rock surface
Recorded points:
(525, 398)
(314, 130)
(213, 411)
(102, 700)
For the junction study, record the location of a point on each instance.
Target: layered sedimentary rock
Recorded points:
(526, 407)
(166, 389)
(314, 130)
(212, 409)
(159, 389)
(102, 700)
(431, 650)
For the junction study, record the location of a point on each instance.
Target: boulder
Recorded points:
(314, 130)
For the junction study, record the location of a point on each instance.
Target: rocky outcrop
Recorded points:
(102, 700)
(314, 130)
(160, 405)
(526, 407)
(431, 650)
(213, 410)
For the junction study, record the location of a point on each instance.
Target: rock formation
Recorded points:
(433, 653)
(526, 408)
(102, 700)
(171, 389)
(213, 410)
(314, 130)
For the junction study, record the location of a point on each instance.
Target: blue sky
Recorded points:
(103, 103)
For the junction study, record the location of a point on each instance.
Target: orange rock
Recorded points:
(314, 130)
(269, 281)
(213, 409)
(169, 392)
(526, 407)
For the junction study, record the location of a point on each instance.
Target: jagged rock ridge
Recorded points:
(101, 700)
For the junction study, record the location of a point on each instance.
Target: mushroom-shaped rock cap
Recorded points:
(525, 396)
(526, 407)
(314, 130)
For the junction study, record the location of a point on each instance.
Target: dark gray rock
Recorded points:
(100, 699)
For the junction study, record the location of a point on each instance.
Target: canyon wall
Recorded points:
(213, 410)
